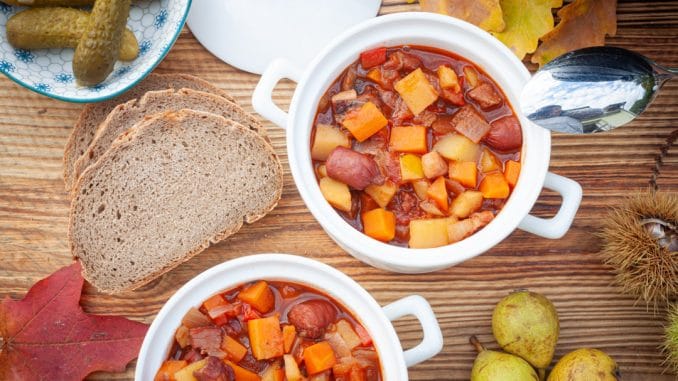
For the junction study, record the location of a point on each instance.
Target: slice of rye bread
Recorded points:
(127, 114)
(165, 190)
(95, 113)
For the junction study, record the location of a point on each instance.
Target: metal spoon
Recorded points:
(592, 90)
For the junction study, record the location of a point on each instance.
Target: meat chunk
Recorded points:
(505, 134)
(464, 228)
(345, 102)
(425, 118)
(486, 96)
(469, 123)
(455, 98)
(433, 165)
(352, 168)
(312, 317)
(443, 125)
(214, 370)
(374, 144)
(348, 82)
(389, 164)
(401, 61)
(207, 339)
(401, 112)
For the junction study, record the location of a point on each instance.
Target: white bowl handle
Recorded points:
(432, 343)
(262, 99)
(558, 225)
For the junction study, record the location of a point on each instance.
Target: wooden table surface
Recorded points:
(593, 312)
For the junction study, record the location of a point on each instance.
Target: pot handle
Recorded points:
(432, 342)
(558, 225)
(262, 100)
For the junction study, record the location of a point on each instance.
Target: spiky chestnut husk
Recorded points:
(671, 338)
(644, 266)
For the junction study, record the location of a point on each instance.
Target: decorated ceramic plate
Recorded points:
(155, 23)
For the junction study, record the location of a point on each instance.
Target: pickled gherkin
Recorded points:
(44, 28)
(98, 48)
(49, 3)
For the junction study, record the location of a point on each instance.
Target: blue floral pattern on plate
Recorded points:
(155, 23)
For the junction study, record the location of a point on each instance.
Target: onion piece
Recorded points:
(195, 319)
(341, 349)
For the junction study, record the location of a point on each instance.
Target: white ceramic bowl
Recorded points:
(436, 31)
(316, 275)
(155, 23)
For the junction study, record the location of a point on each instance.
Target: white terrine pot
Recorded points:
(442, 32)
(315, 275)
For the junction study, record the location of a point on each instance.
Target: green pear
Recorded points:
(526, 324)
(585, 365)
(499, 366)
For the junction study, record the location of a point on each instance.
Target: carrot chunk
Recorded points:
(168, 368)
(242, 374)
(438, 193)
(494, 185)
(214, 301)
(319, 357)
(408, 139)
(259, 296)
(512, 172)
(266, 338)
(465, 172)
(365, 122)
(289, 334)
(379, 224)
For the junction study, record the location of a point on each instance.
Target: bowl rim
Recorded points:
(370, 314)
(117, 92)
(536, 142)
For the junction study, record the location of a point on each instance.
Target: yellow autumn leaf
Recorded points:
(583, 23)
(486, 14)
(526, 21)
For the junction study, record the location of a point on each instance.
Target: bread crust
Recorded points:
(112, 123)
(127, 140)
(94, 113)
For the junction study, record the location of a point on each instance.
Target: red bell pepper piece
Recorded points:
(373, 57)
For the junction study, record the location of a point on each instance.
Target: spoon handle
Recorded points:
(672, 71)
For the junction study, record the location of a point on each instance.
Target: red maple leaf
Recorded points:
(47, 335)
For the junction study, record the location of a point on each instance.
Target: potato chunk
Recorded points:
(416, 91)
(326, 139)
(382, 194)
(336, 193)
(466, 203)
(457, 147)
(410, 167)
(448, 79)
(428, 233)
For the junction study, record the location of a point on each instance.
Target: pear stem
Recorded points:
(476, 343)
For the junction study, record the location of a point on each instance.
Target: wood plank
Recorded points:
(593, 311)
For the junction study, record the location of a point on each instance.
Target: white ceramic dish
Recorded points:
(155, 23)
(375, 319)
(250, 34)
(445, 33)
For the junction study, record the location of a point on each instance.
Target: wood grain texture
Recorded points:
(593, 312)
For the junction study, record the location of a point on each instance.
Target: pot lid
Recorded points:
(249, 34)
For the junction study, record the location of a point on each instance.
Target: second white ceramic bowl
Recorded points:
(316, 275)
(445, 33)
